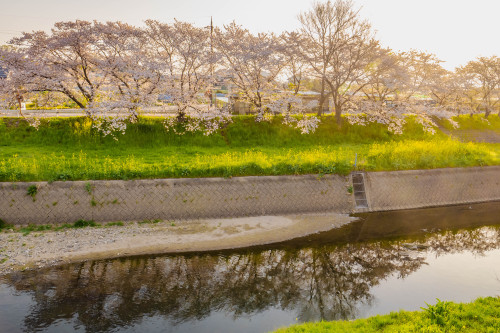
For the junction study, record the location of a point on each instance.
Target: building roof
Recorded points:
(3, 73)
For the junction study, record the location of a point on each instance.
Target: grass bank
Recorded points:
(70, 149)
(482, 315)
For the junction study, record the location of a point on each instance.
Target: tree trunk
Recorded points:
(134, 117)
(338, 114)
(19, 99)
(321, 97)
(181, 114)
(487, 112)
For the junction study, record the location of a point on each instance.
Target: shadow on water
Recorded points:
(324, 276)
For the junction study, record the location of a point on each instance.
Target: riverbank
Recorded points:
(37, 249)
(64, 149)
(482, 315)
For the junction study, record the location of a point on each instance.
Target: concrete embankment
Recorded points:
(179, 199)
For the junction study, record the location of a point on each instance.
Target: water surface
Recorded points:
(383, 262)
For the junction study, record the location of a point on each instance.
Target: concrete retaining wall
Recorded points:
(165, 199)
(426, 188)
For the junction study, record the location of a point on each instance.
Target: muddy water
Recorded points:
(383, 262)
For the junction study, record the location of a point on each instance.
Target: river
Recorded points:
(380, 263)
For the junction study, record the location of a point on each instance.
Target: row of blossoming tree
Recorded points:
(117, 69)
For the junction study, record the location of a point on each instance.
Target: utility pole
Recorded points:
(212, 97)
(211, 43)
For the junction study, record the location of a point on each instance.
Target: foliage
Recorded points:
(482, 315)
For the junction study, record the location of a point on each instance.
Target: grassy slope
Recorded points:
(482, 315)
(64, 149)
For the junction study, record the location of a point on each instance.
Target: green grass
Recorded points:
(114, 224)
(26, 230)
(482, 315)
(69, 149)
(476, 122)
(4, 225)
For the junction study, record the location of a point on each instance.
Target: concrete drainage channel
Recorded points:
(178, 199)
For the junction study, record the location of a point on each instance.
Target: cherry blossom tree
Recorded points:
(11, 81)
(133, 73)
(113, 66)
(386, 75)
(338, 45)
(183, 52)
(252, 63)
(62, 61)
(481, 83)
(295, 70)
(421, 67)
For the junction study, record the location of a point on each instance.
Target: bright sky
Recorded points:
(455, 30)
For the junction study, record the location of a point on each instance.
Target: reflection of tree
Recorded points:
(477, 241)
(323, 282)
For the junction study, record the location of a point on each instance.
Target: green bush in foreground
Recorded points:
(482, 315)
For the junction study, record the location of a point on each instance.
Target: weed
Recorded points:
(63, 226)
(4, 225)
(439, 313)
(88, 188)
(84, 223)
(119, 224)
(32, 191)
(63, 177)
(149, 221)
(3, 260)
(32, 227)
(350, 189)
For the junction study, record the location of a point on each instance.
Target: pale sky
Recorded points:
(455, 30)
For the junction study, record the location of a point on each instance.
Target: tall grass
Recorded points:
(69, 149)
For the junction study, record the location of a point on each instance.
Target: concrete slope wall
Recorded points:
(164, 199)
(426, 188)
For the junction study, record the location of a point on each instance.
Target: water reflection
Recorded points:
(317, 281)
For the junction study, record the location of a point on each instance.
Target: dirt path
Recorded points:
(488, 136)
(40, 249)
(472, 135)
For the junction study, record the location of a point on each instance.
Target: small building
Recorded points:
(309, 96)
(3, 73)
